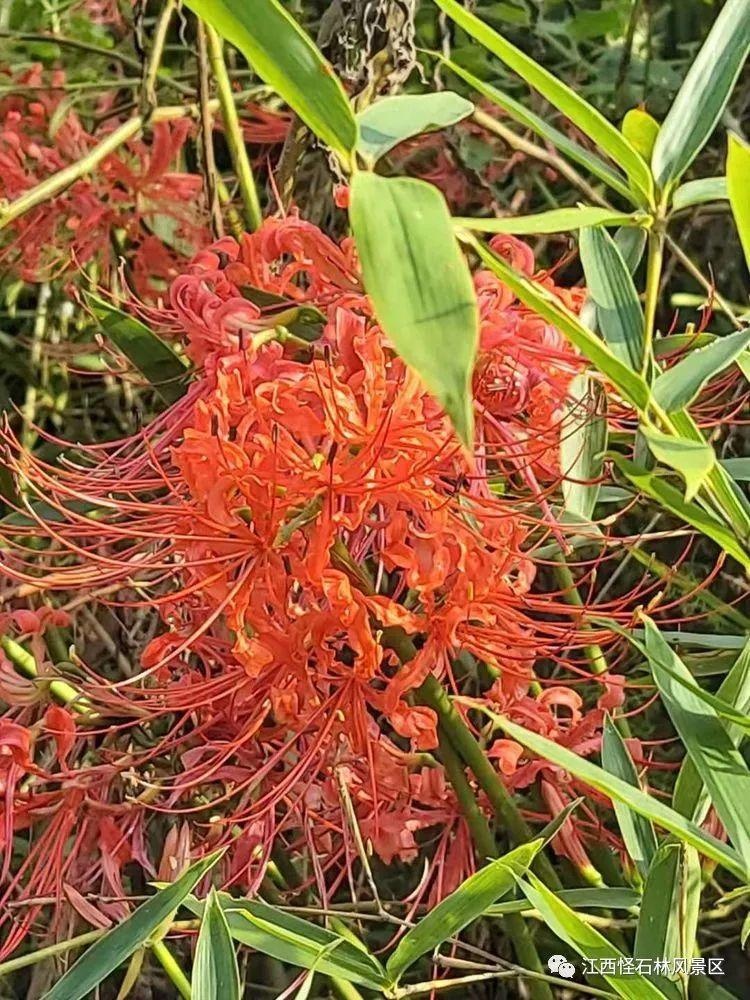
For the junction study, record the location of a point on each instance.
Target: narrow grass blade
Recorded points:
(637, 832)
(615, 788)
(567, 146)
(296, 941)
(458, 910)
(585, 939)
(216, 975)
(557, 220)
(120, 943)
(671, 499)
(591, 122)
(420, 285)
(707, 742)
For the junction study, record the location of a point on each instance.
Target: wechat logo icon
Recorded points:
(559, 965)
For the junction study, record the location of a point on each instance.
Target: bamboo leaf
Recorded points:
(611, 289)
(282, 55)
(216, 975)
(615, 788)
(704, 93)
(391, 120)
(637, 832)
(738, 187)
(677, 387)
(580, 112)
(420, 285)
(585, 939)
(121, 942)
(567, 146)
(583, 441)
(558, 220)
(700, 192)
(694, 460)
(708, 744)
(641, 130)
(671, 499)
(599, 898)
(298, 942)
(152, 356)
(629, 383)
(463, 906)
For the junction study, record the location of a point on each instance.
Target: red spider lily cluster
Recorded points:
(140, 204)
(302, 516)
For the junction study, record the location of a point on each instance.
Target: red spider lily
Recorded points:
(297, 504)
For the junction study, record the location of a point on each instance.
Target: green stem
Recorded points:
(432, 694)
(50, 951)
(570, 594)
(151, 70)
(484, 842)
(237, 149)
(653, 286)
(172, 968)
(26, 664)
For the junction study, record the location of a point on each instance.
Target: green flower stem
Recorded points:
(237, 149)
(484, 842)
(566, 580)
(151, 70)
(62, 691)
(172, 968)
(432, 694)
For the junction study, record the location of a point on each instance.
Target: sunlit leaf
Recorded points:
(420, 285)
(692, 459)
(641, 130)
(558, 220)
(700, 192)
(703, 94)
(216, 975)
(677, 387)
(738, 187)
(391, 120)
(637, 832)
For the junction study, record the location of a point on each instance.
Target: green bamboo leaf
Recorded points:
(677, 387)
(641, 130)
(567, 146)
(558, 220)
(738, 187)
(708, 744)
(282, 55)
(152, 356)
(615, 788)
(118, 945)
(420, 285)
(637, 832)
(704, 93)
(391, 120)
(668, 918)
(738, 468)
(463, 906)
(700, 192)
(216, 975)
(703, 988)
(580, 112)
(583, 441)
(671, 499)
(629, 383)
(585, 939)
(694, 460)
(298, 942)
(631, 242)
(599, 898)
(611, 288)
